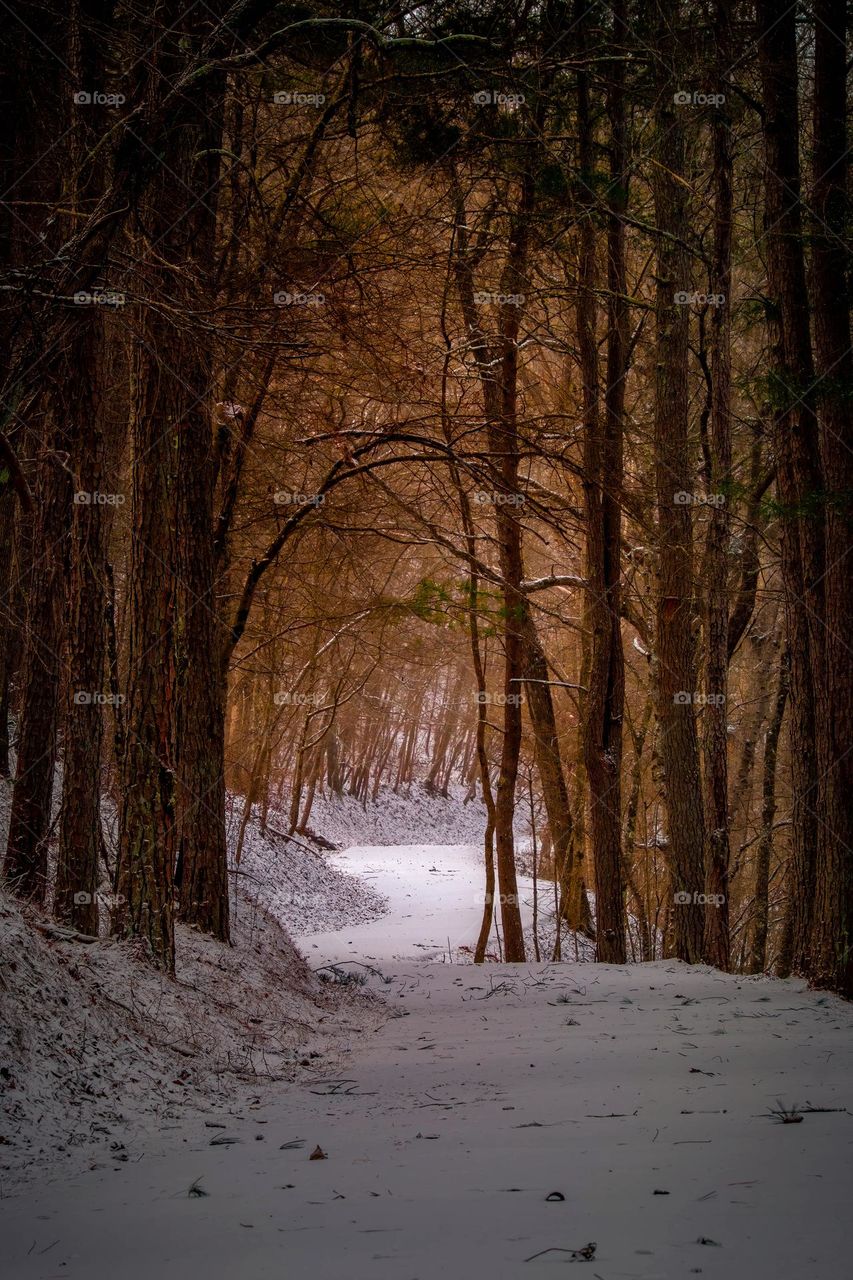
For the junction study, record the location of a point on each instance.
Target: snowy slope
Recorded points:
(301, 887)
(98, 1051)
(411, 816)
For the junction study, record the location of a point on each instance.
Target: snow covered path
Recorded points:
(435, 903)
(434, 906)
(639, 1095)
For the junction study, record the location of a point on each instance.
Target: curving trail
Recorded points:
(434, 897)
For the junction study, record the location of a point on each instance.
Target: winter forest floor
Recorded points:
(503, 1121)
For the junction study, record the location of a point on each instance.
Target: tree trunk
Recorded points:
(80, 835)
(499, 379)
(83, 375)
(485, 777)
(799, 479)
(509, 540)
(202, 866)
(549, 766)
(8, 625)
(758, 950)
(163, 398)
(31, 129)
(676, 654)
(604, 702)
(716, 567)
(647, 937)
(832, 944)
(25, 867)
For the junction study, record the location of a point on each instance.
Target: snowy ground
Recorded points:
(432, 898)
(508, 1122)
(98, 1052)
(402, 859)
(406, 817)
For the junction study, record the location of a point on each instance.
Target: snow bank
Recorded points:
(300, 887)
(411, 816)
(97, 1049)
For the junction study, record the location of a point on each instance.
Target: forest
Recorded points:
(471, 383)
(450, 401)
